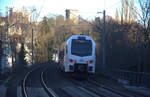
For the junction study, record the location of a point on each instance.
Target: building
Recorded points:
(19, 20)
(12, 28)
(2, 28)
(72, 15)
(21, 14)
(20, 28)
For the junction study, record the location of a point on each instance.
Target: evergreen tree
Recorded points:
(1, 51)
(22, 60)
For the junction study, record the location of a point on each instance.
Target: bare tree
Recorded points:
(145, 13)
(144, 18)
(117, 15)
(127, 12)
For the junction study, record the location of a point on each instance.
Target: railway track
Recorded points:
(90, 88)
(102, 90)
(49, 91)
(27, 77)
(80, 88)
(110, 90)
(114, 87)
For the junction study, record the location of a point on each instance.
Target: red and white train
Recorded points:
(79, 54)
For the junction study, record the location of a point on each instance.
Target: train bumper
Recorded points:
(83, 68)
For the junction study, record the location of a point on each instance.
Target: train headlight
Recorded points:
(90, 61)
(73, 61)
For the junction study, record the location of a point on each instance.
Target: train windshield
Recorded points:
(81, 47)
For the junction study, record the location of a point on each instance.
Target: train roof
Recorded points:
(80, 36)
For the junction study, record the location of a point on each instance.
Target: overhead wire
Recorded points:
(38, 15)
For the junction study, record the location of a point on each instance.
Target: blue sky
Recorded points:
(87, 8)
(3, 3)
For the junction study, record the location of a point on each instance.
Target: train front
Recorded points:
(81, 54)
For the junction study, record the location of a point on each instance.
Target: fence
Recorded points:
(133, 78)
(129, 59)
(123, 63)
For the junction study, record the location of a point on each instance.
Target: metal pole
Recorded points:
(6, 40)
(103, 42)
(32, 41)
(32, 46)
